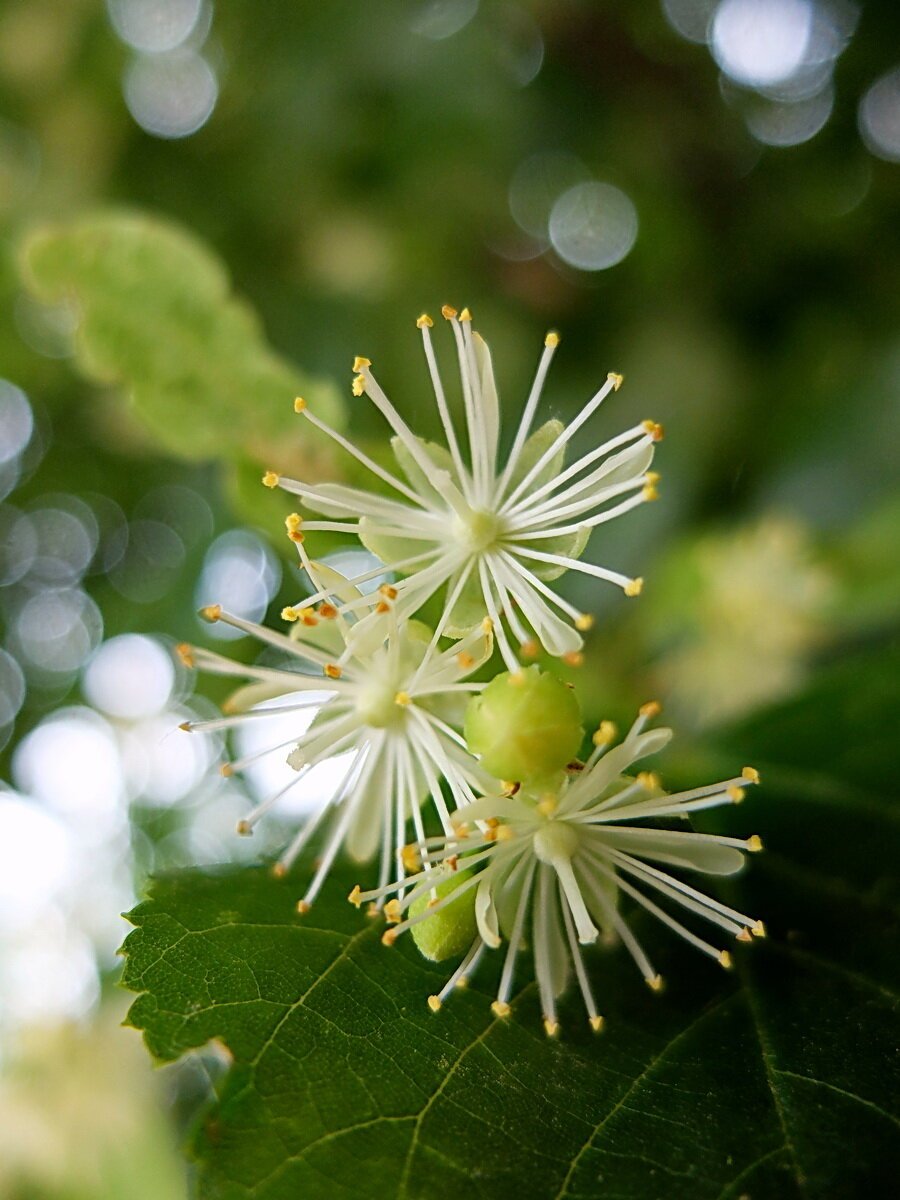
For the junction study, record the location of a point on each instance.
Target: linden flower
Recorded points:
(558, 862)
(495, 535)
(391, 706)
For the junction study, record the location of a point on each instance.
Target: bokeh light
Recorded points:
(16, 421)
(759, 42)
(593, 226)
(154, 25)
(130, 677)
(70, 764)
(171, 95)
(440, 19)
(242, 574)
(56, 632)
(879, 117)
(776, 124)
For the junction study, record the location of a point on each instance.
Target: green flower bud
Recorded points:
(524, 726)
(451, 931)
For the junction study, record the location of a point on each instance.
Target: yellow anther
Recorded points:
(434, 1003)
(307, 616)
(615, 380)
(652, 477)
(651, 709)
(389, 592)
(289, 613)
(186, 726)
(327, 611)
(465, 315)
(649, 780)
(500, 1009)
(584, 622)
(271, 479)
(278, 871)
(744, 936)
(402, 698)
(487, 625)
(303, 907)
(754, 843)
(735, 794)
(424, 322)
(596, 1023)
(448, 312)
(606, 732)
(463, 982)
(388, 937)
(548, 804)
(332, 670)
(518, 679)
(355, 896)
(653, 429)
(551, 1028)
(226, 770)
(372, 911)
(751, 774)
(552, 339)
(725, 960)
(529, 649)
(509, 787)
(299, 404)
(649, 492)
(292, 521)
(758, 930)
(505, 833)
(382, 607)
(243, 828)
(465, 660)
(452, 862)
(655, 983)
(360, 363)
(359, 385)
(411, 858)
(634, 587)
(574, 658)
(393, 912)
(211, 612)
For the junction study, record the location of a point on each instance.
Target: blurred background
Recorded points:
(701, 194)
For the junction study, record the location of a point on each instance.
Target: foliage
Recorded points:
(344, 1084)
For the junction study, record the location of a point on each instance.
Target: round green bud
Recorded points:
(524, 726)
(451, 931)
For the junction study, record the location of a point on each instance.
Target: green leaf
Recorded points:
(776, 1081)
(157, 319)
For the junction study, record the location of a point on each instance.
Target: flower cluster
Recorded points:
(536, 846)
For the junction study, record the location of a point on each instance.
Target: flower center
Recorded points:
(377, 706)
(477, 530)
(555, 840)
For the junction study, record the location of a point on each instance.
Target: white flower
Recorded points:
(559, 862)
(392, 704)
(495, 536)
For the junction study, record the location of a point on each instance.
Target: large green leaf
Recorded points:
(776, 1082)
(157, 318)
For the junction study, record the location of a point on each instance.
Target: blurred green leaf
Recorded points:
(777, 1083)
(157, 319)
